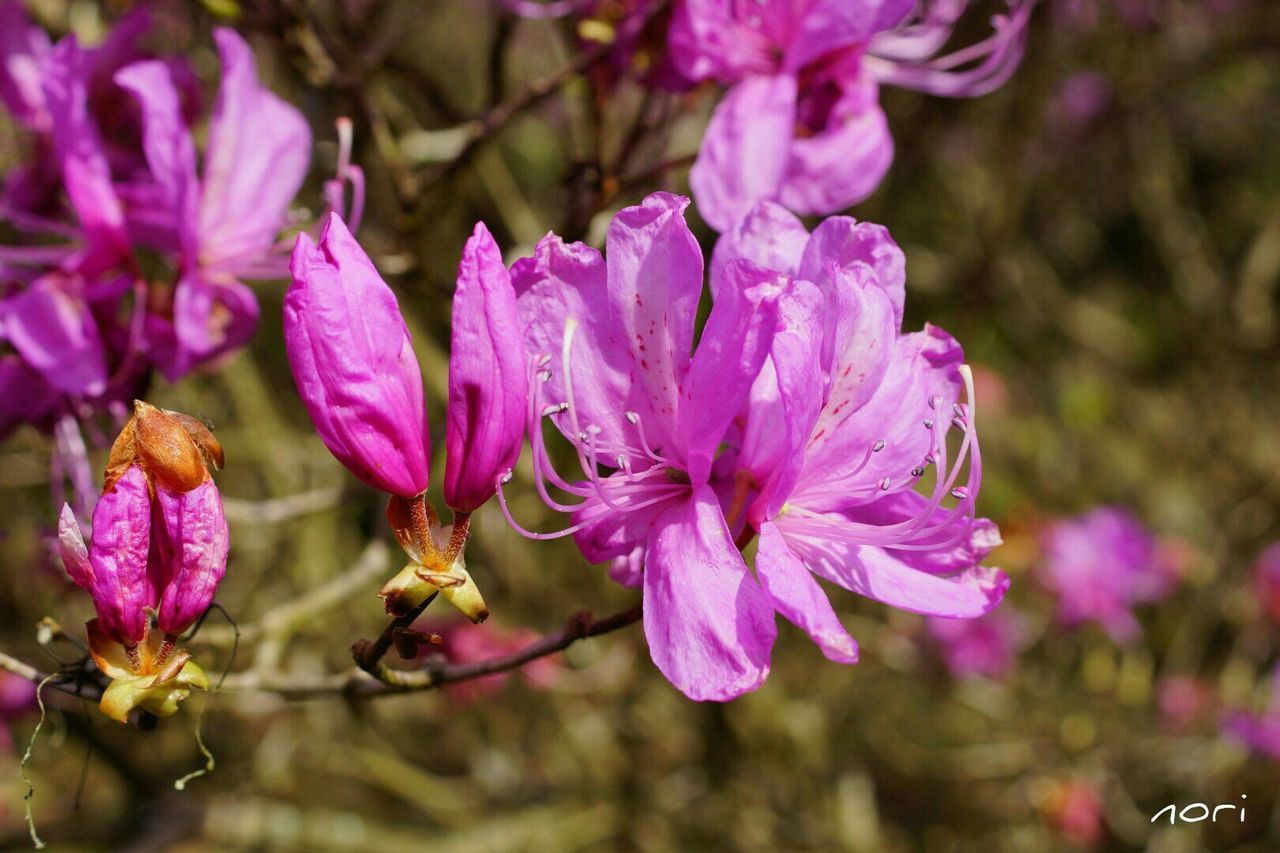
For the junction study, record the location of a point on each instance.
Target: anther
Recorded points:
(544, 375)
(885, 483)
(506, 477)
(935, 401)
(960, 492)
(553, 409)
(917, 471)
(632, 417)
(928, 423)
(877, 447)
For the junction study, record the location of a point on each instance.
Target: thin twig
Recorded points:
(368, 655)
(356, 683)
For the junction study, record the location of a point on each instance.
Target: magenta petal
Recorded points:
(212, 318)
(121, 588)
(75, 556)
(488, 377)
(785, 400)
(196, 543)
(707, 38)
(922, 366)
(607, 534)
(54, 332)
(25, 396)
(746, 150)
(709, 624)
(353, 363)
(23, 48)
(879, 574)
(769, 235)
(734, 345)
(846, 161)
(843, 241)
(85, 171)
(258, 154)
(568, 282)
(797, 596)
(829, 25)
(654, 267)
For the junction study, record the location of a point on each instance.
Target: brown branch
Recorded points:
(368, 655)
(482, 129)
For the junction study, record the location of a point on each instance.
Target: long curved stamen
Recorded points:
(898, 63)
(918, 532)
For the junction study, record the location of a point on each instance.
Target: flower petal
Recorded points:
(845, 161)
(488, 377)
(734, 345)
(71, 547)
(259, 150)
(797, 596)
(709, 624)
(746, 152)
(843, 241)
(353, 363)
(769, 235)
(54, 332)
(197, 541)
(654, 268)
(121, 587)
(879, 574)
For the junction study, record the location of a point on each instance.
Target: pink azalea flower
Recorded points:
(763, 429)
(224, 224)
(354, 365)
(985, 646)
(801, 123)
(1100, 565)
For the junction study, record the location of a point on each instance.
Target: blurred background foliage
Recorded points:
(1103, 235)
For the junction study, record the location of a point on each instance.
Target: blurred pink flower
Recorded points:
(1182, 701)
(1266, 582)
(801, 123)
(223, 226)
(985, 646)
(1259, 732)
(1079, 100)
(1075, 810)
(17, 697)
(464, 642)
(1100, 565)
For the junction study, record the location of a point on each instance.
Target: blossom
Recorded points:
(1259, 732)
(159, 548)
(488, 377)
(353, 362)
(223, 225)
(746, 436)
(801, 123)
(984, 646)
(1100, 564)
(1266, 582)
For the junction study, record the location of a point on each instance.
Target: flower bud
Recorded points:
(488, 381)
(353, 363)
(166, 449)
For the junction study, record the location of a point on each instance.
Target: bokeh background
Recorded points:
(1103, 235)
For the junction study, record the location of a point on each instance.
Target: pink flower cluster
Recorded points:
(131, 252)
